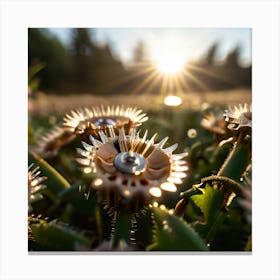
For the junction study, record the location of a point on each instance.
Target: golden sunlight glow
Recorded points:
(172, 100)
(170, 65)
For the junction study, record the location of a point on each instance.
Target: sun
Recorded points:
(169, 64)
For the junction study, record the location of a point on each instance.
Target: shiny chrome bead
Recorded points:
(130, 162)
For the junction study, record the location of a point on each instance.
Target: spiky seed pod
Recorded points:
(89, 121)
(239, 118)
(34, 184)
(132, 169)
(52, 141)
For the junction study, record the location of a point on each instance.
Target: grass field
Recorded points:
(45, 104)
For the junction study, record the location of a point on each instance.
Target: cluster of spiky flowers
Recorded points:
(235, 124)
(34, 184)
(82, 123)
(235, 120)
(86, 122)
(239, 118)
(131, 169)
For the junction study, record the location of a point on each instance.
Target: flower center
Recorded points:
(105, 122)
(130, 162)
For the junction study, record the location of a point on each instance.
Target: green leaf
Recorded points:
(55, 181)
(210, 203)
(31, 139)
(57, 237)
(32, 71)
(173, 233)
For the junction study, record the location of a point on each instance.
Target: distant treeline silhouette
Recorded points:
(85, 67)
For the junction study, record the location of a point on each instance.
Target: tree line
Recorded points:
(85, 67)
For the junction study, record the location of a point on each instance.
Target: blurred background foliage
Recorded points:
(82, 65)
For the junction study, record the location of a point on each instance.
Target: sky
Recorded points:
(187, 43)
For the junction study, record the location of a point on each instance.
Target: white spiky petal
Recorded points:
(50, 143)
(162, 171)
(34, 183)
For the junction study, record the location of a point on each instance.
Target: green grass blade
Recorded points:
(55, 181)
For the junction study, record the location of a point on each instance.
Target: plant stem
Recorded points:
(237, 161)
(122, 230)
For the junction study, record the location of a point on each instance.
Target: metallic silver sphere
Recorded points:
(131, 163)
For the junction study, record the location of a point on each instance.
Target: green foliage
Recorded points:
(33, 81)
(210, 203)
(45, 49)
(174, 234)
(58, 237)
